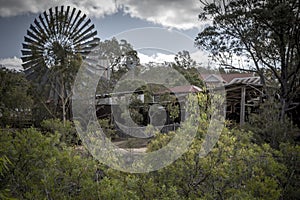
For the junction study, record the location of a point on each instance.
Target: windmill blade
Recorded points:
(30, 75)
(29, 58)
(89, 44)
(94, 41)
(39, 27)
(57, 21)
(30, 40)
(84, 52)
(37, 32)
(26, 53)
(45, 26)
(69, 21)
(30, 47)
(29, 52)
(52, 22)
(31, 64)
(89, 29)
(75, 20)
(28, 71)
(92, 34)
(65, 16)
(78, 24)
(26, 46)
(81, 28)
(35, 37)
(88, 48)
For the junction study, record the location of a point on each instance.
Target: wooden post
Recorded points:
(242, 111)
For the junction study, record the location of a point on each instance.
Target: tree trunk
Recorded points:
(63, 101)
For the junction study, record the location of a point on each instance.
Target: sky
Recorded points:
(164, 26)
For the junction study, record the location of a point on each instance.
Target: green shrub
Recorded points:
(67, 131)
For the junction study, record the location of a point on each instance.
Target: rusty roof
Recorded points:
(227, 78)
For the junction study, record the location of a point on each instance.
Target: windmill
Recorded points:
(56, 43)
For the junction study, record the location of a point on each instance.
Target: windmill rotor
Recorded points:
(57, 37)
(57, 33)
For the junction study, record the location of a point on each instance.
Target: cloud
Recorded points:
(11, 63)
(204, 59)
(180, 14)
(95, 8)
(156, 58)
(200, 57)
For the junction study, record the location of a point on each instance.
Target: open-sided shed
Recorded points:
(242, 96)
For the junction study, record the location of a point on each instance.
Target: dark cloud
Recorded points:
(97, 8)
(181, 14)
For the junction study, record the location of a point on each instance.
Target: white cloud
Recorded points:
(200, 57)
(156, 58)
(12, 63)
(204, 60)
(181, 14)
(96, 8)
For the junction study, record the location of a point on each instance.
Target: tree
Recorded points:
(15, 100)
(120, 57)
(265, 33)
(190, 74)
(183, 59)
(120, 54)
(185, 65)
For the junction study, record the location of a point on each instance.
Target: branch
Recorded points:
(227, 66)
(292, 108)
(49, 111)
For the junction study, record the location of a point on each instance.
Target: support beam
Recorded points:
(243, 100)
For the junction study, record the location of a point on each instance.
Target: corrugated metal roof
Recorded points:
(247, 80)
(182, 89)
(227, 78)
(230, 77)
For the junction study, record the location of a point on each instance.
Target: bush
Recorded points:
(67, 131)
(267, 127)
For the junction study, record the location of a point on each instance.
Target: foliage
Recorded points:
(289, 155)
(67, 131)
(119, 53)
(15, 101)
(263, 33)
(42, 166)
(184, 59)
(268, 128)
(4, 168)
(121, 57)
(191, 74)
(108, 128)
(136, 110)
(235, 168)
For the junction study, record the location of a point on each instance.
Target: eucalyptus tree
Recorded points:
(263, 32)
